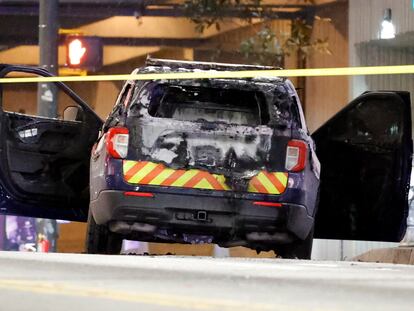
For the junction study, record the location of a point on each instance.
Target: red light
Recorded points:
(84, 52)
(296, 155)
(76, 52)
(139, 194)
(267, 204)
(117, 142)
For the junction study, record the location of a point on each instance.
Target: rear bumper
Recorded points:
(219, 217)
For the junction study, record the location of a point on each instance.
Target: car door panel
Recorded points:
(44, 167)
(365, 153)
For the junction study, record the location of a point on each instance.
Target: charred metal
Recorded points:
(237, 151)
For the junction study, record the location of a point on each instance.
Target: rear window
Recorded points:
(199, 104)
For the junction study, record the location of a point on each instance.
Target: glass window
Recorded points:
(194, 103)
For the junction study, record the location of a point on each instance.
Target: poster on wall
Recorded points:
(20, 234)
(27, 234)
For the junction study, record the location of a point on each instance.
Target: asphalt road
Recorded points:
(75, 282)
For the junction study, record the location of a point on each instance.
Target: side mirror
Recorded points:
(72, 113)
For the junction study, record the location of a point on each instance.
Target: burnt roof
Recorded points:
(191, 65)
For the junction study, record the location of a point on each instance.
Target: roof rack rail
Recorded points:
(176, 64)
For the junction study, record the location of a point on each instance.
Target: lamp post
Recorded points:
(387, 27)
(47, 92)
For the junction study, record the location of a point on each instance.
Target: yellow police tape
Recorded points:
(318, 72)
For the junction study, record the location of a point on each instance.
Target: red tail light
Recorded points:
(271, 204)
(117, 142)
(296, 156)
(138, 194)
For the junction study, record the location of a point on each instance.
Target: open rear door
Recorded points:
(44, 162)
(365, 152)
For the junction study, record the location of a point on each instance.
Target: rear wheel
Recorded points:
(297, 250)
(99, 240)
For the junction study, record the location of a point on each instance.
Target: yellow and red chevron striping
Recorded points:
(276, 181)
(270, 183)
(150, 173)
(133, 170)
(173, 177)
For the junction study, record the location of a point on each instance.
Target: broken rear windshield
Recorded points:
(199, 104)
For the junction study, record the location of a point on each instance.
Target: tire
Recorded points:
(297, 250)
(99, 240)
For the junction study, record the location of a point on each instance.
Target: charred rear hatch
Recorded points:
(228, 135)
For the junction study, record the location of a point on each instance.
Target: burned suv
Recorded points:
(226, 161)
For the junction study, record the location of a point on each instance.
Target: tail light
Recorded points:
(271, 204)
(138, 194)
(117, 142)
(296, 156)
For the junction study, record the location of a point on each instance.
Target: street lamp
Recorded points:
(387, 27)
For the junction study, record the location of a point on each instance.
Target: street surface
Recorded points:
(75, 282)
